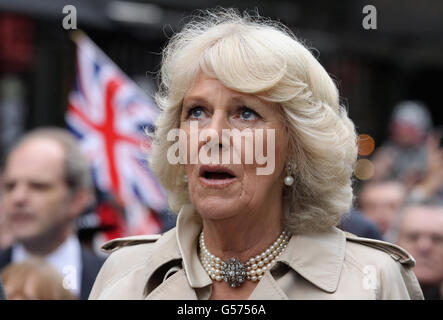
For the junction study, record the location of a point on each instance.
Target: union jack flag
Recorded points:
(109, 114)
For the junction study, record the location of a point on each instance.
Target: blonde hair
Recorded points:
(257, 56)
(34, 279)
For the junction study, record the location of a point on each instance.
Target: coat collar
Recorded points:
(189, 226)
(317, 257)
(180, 244)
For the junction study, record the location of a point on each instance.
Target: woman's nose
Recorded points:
(219, 121)
(214, 130)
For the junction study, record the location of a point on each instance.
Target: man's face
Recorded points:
(36, 197)
(421, 234)
(381, 202)
(406, 134)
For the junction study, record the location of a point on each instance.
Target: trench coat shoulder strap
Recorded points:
(395, 252)
(118, 243)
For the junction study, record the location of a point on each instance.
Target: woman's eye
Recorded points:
(196, 113)
(248, 114)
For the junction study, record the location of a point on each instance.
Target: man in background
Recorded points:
(404, 156)
(380, 201)
(2, 291)
(5, 231)
(420, 231)
(46, 186)
(355, 222)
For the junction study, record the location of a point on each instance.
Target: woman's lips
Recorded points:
(217, 183)
(216, 176)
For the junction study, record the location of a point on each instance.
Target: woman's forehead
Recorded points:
(205, 85)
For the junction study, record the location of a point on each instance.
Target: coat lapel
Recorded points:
(179, 246)
(176, 287)
(317, 257)
(268, 289)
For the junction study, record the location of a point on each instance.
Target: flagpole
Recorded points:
(76, 35)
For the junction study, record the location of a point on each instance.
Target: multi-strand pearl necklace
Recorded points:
(235, 272)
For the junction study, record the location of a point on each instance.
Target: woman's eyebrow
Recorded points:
(248, 100)
(195, 99)
(236, 99)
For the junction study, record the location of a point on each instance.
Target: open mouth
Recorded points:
(216, 175)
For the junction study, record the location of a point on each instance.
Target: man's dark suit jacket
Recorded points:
(2, 292)
(91, 266)
(356, 223)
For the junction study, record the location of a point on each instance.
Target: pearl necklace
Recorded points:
(235, 272)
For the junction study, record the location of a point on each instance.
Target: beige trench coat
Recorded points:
(329, 265)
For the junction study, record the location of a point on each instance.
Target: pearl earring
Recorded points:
(289, 179)
(185, 178)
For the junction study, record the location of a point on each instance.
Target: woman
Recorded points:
(261, 229)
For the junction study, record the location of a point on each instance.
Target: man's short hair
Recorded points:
(76, 167)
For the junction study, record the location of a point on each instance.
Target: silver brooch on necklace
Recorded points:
(233, 271)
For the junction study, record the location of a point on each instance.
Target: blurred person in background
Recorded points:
(356, 223)
(380, 201)
(6, 237)
(430, 187)
(34, 279)
(404, 156)
(2, 291)
(46, 186)
(419, 230)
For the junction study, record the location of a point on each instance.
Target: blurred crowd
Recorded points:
(403, 200)
(47, 198)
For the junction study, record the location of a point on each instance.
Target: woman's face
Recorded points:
(231, 187)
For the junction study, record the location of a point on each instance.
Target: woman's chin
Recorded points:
(217, 209)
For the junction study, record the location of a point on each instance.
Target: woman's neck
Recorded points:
(243, 236)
